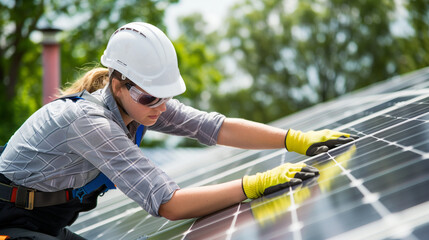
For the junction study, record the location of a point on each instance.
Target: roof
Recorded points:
(375, 188)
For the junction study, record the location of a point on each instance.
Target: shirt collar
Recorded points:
(110, 103)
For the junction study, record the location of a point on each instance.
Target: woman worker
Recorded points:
(70, 143)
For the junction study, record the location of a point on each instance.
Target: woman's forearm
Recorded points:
(200, 201)
(246, 134)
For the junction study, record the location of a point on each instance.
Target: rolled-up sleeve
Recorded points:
(104, 144)
(186, 121)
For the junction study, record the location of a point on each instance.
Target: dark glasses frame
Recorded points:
(144, 98)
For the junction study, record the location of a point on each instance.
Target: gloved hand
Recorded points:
(283, 176)
(270, 209)
(314, 142)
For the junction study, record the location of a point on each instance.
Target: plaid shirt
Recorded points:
(66, 144)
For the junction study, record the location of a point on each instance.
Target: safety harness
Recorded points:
(28, 198)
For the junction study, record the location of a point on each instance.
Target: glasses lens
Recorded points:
(148, 99)
(144, 98)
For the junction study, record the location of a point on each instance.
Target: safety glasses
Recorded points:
(144, 98)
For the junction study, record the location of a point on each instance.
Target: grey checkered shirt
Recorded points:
(66, 144)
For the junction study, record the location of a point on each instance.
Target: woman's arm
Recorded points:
(246, 134)
(200, 201)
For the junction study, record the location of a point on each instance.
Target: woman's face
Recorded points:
(136, 111)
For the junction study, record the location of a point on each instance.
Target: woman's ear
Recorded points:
(116, 87)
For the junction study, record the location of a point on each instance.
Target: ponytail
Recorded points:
(93, 80)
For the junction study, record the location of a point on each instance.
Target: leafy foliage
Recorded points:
(298, 53)
(198, 62)
(81, 47)
(200, 65)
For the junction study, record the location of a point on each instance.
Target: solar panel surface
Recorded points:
(375, 188)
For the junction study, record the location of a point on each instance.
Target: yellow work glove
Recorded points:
(283, 176)
(314, 142)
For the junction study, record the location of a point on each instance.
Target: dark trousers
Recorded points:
(49, 221)
(24, 234)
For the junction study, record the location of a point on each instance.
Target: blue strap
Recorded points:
(2, 148)
(139, 134)
(74, 98)
(95, 184)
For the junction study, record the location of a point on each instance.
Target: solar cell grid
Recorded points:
(405, 130)
(421, 232)
(381, 164)
(376, 149)
(340, 223)
(193, 180)
(376, 108)
(407, 197)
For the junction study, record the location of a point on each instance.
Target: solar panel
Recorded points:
(374, 188)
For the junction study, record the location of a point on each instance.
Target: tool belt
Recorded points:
(28, 198)
(50, 219)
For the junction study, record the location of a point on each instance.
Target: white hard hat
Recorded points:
(145, 55)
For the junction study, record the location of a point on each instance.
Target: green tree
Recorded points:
(199, 64)
(414, 47)
(298, 53)
(92, 22)
(19, 57)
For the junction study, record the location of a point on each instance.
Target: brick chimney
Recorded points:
(51, 64)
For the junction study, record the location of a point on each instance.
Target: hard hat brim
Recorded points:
(176, 88)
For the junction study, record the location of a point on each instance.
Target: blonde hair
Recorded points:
(93, 80)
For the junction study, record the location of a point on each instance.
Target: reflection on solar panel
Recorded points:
(375, 188)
